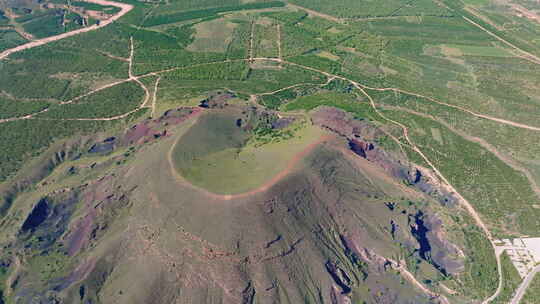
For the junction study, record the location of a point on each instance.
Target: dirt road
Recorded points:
(124, 9)
(526, 55)
(482, 142)
(154, 99)
(316, 14)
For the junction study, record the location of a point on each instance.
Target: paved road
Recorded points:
(523, 286)
(124, 9)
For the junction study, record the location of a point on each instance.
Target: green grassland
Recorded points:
(191, 5)
(399, 53)
(213, 36)
(471, 50)
(95, 7)
(43, 22)
(44, 26)
(347, 102)
(480, 277)
(502, 20)
(266, 39)
(84, 65)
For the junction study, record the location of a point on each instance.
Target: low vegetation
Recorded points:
(511, 280)
(16, 108)
(366, 8)
(29, 138)
(478, 175)
(480, 279)
(106, 103)
(206, 13)
(347, 102)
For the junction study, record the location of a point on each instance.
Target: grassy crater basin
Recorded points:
(220, 156)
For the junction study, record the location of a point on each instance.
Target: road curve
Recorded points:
(520, 291)
(124, 9)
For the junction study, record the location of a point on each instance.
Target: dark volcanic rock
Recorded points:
(433, 247)
(37, 216)
(361, 137)
(218, 100)
(104, 147)
(49, 220)
(339, 276)
(360, 147)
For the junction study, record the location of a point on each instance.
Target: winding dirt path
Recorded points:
(402, 268)
(298, 85)
(464, 202)
(502, 157)
(29, 116)
(124, 9)
(488, 117)
(136, 79)
(110, 85)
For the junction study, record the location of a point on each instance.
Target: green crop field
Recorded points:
(16, 108)
(105, 103)
(206, 13)
(366, 8)
(213, 36)
(10, 38)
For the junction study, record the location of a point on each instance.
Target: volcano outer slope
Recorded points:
(336, 227)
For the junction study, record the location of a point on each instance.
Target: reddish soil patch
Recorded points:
(360, 147)
(153, 129)
(81, 236)
(343, 123)
(137, 132)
